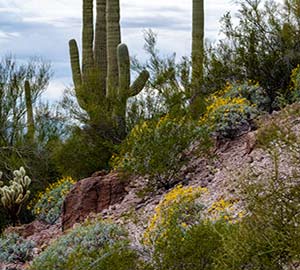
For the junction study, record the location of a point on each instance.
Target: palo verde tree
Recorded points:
(102, 82)
(261, 45)
(20, 89)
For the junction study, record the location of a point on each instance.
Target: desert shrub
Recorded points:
(273, 133)
(47, 205)
(251, 91)
(179, 236)
(93, 245)
(14, 248)
(155, 148)
(268, 236)
(295, 84)
(227, 117)
(83, 152)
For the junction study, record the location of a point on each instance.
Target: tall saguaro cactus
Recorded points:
(197, 57)
(102, 82)
(30, 120)
(198, 42)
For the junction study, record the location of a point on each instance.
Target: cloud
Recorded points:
(43, 28)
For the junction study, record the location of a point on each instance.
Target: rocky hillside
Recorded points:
(221, 171)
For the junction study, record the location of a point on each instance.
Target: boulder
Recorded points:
(92, 195)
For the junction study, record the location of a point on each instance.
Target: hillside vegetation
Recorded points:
(193, 165)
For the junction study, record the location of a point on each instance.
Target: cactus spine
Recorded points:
(102, 83)
(30, 120)
(12, 197)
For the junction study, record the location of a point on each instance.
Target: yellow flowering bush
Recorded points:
(47, 205)
(226, 117)
(249, 90)
(177, 208)
(179, 236)
(155, 148)
(231, 110)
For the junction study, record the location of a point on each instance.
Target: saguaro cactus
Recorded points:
(30, 120)
(198, 42)
(13, 196)
(198, 104)
(102, 83)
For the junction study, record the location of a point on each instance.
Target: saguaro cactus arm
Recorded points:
(124, 68)
(124, 74)
(139, 83)
(75, 63)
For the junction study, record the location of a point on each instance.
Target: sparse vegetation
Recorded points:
(272, 207)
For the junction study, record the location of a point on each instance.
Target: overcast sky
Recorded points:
(43, 28)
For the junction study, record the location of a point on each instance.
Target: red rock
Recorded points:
(38, 231)
(27, 230)
(92, 195)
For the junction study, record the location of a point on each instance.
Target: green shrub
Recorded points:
(85, 151)
(91, 246)
(260, 43)
(155, 148)
(295, 84)
(47, 206)
(14, 248)
(273, 133)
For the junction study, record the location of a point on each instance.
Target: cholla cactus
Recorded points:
(14, 195)
(1, 183)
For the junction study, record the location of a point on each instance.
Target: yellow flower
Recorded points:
(172, 204)
(184, 225)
